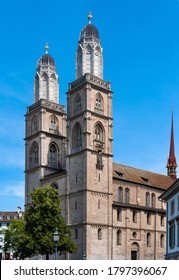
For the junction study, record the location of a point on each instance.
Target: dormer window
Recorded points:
(145, 179)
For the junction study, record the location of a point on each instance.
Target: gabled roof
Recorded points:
(142, 177)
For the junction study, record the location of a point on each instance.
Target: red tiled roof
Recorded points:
(4, 216)
(139, 176)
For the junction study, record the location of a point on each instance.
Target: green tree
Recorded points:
(42, 218)
(17, 240)
(33, 235)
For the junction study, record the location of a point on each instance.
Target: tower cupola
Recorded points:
(89, 56)
(46, 85)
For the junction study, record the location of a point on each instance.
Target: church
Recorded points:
(112, 209)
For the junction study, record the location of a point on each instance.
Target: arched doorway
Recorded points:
(135, 251)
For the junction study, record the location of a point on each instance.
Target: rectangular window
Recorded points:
(162, 218)
(119, 214)
(148, 218)
(172, 235)
(178, 203)
(172, 207)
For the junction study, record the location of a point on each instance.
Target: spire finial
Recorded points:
(172, 164)
(46, 48)
(90, 16)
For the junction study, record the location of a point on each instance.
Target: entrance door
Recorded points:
(133, 255)
(135, 251)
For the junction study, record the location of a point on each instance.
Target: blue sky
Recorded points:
(140, 40)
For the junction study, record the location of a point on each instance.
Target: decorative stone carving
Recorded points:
(87, 116)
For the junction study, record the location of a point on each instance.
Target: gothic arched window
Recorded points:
(153, 200)
(89, 60)
(53, 122)
(147, 199)
(44, 86)
(36, 87)
(99, 103)
(127, 195)
(120, 194)
(79, 62)
(77, 138)
(53, 156)
(77, 103)
(34, 123)
(34, 155)
(119, 237)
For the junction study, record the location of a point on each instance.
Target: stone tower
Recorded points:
(45, 127)
(89, 150)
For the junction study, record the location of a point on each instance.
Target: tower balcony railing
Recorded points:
(90, 78)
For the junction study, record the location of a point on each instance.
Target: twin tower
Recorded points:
(72, 151)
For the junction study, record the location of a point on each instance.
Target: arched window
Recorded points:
(34, 155)
(53, 122)
(120, 194)
(148, 218)
(34, 124)
(148, 239)
(147, 199)
(153, 200)
(162, 240)
(44, 86)
(119, 214)
(119, 237)
(77, 138)
(127, 195)
(99, 103)
(89, 59)
(100, 235)
(52, 88)
(98, 135)
(53, 156)
(36, 87)
(79, 62)
(134, 216)
(77, 103)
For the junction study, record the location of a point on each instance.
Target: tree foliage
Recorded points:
(17, 240)
(42, 217)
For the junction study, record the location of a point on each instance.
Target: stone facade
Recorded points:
(113, 210)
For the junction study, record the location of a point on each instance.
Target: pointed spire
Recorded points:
(172, 164)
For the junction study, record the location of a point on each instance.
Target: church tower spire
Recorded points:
(89, 55)
(46, 84)
(172, 164)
